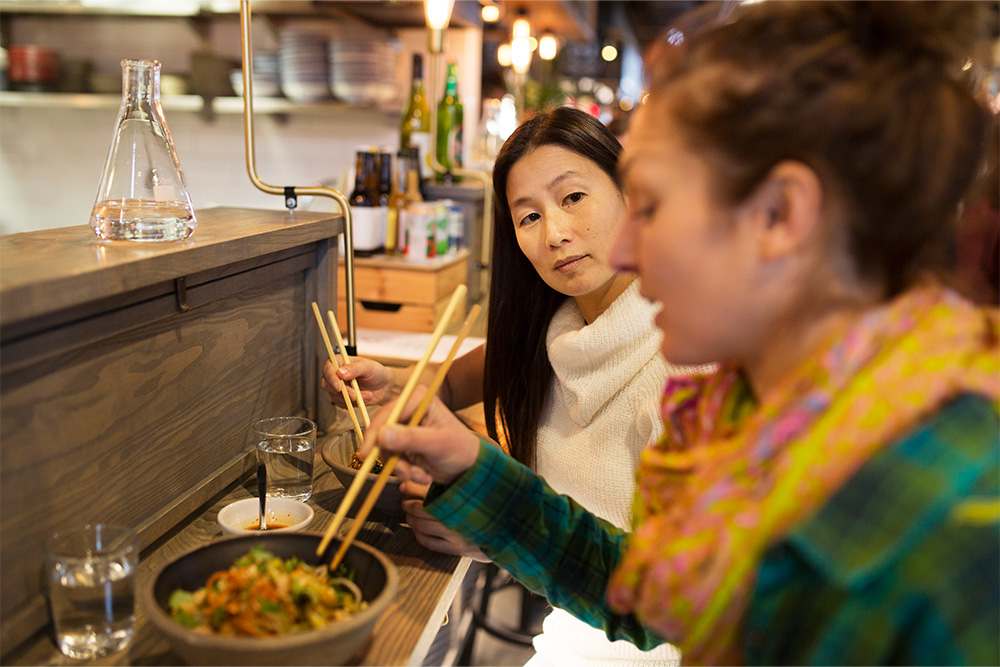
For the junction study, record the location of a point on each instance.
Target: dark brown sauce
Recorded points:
(271, 525)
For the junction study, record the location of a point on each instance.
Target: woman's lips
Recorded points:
(568, 264)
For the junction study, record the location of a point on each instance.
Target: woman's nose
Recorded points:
(557, 230)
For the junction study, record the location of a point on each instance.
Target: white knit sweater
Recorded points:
(602, 411)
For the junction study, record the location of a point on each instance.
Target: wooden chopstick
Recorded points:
(347, 360)
(333, 360)
(390, 465)
(355, 488)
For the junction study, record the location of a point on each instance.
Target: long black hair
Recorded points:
(517, 373)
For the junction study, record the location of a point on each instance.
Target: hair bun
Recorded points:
(946, 33)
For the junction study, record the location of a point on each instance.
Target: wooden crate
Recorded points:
(391, 293)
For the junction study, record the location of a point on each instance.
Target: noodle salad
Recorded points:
(262, 595)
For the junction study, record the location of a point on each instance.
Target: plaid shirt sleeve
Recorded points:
(898, 567)
(548, 542)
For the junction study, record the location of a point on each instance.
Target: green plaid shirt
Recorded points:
(887, 572)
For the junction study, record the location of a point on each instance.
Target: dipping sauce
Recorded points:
(270, 525)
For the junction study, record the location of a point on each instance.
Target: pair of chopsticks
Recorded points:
(355, 488)
(336, 366)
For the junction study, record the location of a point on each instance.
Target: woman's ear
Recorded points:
(787, 208)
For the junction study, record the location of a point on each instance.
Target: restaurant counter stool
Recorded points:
(491, 579)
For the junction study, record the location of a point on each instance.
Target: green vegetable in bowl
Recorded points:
(262, 595)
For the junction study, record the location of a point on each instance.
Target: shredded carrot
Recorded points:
(262, 595)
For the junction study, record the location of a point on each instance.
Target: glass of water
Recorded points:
(285, 445)
(91, 572)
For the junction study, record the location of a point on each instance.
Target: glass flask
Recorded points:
(142, 196)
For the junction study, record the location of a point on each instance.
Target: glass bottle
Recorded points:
(449, 127)
(396, 215)
(411, 236)
(142, 195)
(415, 128)
(413, 193)
(365, 213)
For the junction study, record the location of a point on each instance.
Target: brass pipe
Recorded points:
(435, 43)
(336, 195)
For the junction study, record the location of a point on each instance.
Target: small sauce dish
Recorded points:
(283, 515)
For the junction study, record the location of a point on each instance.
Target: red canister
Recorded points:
(32, 67)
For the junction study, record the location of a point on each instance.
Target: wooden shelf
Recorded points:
(221, 105)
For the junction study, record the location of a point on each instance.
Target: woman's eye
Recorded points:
(573, 198)
(531, 217)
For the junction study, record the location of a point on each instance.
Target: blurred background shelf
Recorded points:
(222, 105)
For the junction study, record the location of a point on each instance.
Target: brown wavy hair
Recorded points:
(876, 97)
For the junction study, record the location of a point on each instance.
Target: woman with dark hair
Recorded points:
(570, 371)
(830, 495)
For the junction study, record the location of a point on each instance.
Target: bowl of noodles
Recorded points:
(269, 600)
(339, 453)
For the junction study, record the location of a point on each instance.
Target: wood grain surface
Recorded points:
(428, 582)
(51, 270)
(121, 401)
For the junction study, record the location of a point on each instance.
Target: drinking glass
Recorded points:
(91, 572)
(285, 446)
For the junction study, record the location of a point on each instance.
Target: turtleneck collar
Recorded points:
(592, 362)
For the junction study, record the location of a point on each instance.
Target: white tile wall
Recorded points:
(51, 159)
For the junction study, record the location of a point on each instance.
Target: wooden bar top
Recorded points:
(428, 582)
(50, 270)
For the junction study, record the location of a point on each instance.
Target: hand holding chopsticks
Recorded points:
(347, 360)
(418, 414)
(352, 493)
(343, 387)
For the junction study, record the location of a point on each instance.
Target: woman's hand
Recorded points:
(429, 531)
(374, 379)
(439, 450)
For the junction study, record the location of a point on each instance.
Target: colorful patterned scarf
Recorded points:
(731, 475)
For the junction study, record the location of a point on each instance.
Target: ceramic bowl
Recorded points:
(335, 644)
(338, 453)
(238, 517)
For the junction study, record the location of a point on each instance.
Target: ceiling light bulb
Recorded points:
(490, 13)
(609, 53)
(503, 55)
(438, 13)
(521, 29)
(547, 47)
(520, 55)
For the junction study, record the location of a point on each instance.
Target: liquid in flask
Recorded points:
(142, 195)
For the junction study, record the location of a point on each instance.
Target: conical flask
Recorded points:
(142, 196)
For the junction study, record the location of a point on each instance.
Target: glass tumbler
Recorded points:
(91, 573)
(285, 445)
(142, 195)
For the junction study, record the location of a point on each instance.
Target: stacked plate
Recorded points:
(303, 64)
(364, 71)
(266, 76)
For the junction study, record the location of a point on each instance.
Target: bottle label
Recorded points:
(455, 144)
(391, 230)
(423, 141)
(369, 227)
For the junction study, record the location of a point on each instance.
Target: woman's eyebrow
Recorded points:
(553, 184)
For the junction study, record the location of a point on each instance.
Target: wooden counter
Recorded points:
(428, 582)
(130, 374)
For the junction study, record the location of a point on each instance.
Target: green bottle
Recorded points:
(415, 127)
(449, 127)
